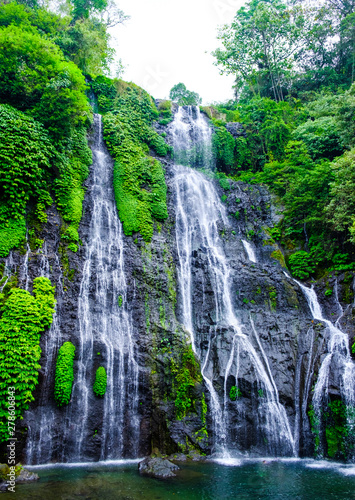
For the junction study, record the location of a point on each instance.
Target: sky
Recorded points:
(166, 42)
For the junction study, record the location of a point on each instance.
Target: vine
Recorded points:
(24, 317)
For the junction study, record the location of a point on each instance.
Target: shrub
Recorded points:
(35, 76)
(139, 181)
(100, 383)
(301, 265)
(24, 317)
(64, 374)
(223, 146)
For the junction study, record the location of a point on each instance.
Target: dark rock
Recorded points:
(157, 467)
(236, 129)
(26, 476)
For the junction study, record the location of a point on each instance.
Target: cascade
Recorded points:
(337, 361)
(42, 429)
(249, 250)
(200, 216)
(104, 327)
(91, 428)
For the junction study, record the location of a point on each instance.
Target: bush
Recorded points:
(139, 181)
(64, 374)
(301, 265)
(100, 383)
(24, 317)
(223, 146)
(35, 76)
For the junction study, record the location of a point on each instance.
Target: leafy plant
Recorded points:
(234, 393)
(24, 318)
(100, 383)
(64, 374)
(301, 265)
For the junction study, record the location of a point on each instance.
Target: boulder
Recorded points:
(157, 467)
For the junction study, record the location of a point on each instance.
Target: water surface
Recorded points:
(241, 480)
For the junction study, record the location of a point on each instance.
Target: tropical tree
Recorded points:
(184, 97)
(262, 44)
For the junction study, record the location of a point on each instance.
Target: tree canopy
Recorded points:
(184, 97)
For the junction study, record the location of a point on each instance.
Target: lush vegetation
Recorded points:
(186, 373)
(44, 115)
(139, 181)
(294, 69)
(24, 317)
(184, 97)
(100, 383)
(64, 374)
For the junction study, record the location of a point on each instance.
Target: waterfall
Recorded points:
(338, 354)
(43, 423)
(200, 216)
(249, 250)
(91, 428)
(104, 329)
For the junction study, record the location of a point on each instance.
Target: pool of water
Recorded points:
(237, 480)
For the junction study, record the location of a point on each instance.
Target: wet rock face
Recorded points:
(271, 308)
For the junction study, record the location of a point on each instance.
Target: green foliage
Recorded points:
(336, 428)
(186, 374)
(26, 154)
(24, 317)
(223, 147)
(73, 169)
(234, 393)
(321, 137)
(341, 209)
(64, 374)
(184, 97)
(273, 297)
(34, 76)
(120, 300)
(100, 383)
(223, 181)
(165, 111)
(301, 265)
(139, 181)
(328, 293)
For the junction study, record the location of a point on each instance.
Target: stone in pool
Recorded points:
(157, 467)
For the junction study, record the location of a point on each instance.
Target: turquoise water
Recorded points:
(247, 480)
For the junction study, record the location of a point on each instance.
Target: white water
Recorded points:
(104, 327)
(43, 421)
(200, 216)
(249, 250)
(339, 353)
(192, 144)
(338, 346)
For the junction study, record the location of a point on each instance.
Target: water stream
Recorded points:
(200, 216)
(104, 329)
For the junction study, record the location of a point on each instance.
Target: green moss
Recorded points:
(336, 430)
(100, 383)
(315, 424)
(24, 317)
(273, 297)
(186, 374)
(234, 393)
(120, 301)
(278, 255)
(64, 374)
